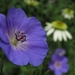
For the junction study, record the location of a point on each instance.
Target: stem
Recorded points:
(47, 72)
(2, 55)
(31, 70)
(41, 70)
(59, 44)
(1, 64)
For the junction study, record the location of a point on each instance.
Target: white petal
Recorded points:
(68, 34)
(57, 35)
(67, 16)
(50, 31)
(47, 27)
(64, 36)
(72, 16)
(48, 24)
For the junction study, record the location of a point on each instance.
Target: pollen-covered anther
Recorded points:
(20, 36)
(57, 64)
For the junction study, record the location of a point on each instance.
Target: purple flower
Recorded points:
(23, 39)
(59, 65)
(60, 51)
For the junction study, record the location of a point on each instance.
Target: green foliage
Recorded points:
(45, 12)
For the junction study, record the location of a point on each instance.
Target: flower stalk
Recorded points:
(1, 66)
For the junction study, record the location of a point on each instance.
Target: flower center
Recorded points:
(57, 64)
(59, 25)
(32, 2)
(69, 11)
(19, 36)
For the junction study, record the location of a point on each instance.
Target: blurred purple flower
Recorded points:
(23, 39)
(60, 51)
(59, 65)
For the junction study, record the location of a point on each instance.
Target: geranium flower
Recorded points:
(59, 30)
(59, 65)
(68, 13)
(60, 51)
(23, 39)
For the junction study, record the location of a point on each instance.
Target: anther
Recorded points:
(20, 36)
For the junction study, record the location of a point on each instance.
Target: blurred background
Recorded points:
(45, 11)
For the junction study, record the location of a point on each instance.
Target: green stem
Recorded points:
(31, 70)
(46, 72)
(40, 71)
(1, 66)
(59, 44)
(2, 56)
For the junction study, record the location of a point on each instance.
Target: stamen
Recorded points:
(57, 64)
(20, 36)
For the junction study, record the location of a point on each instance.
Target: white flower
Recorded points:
(59, 30)
(31, 2)
(68, 13)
